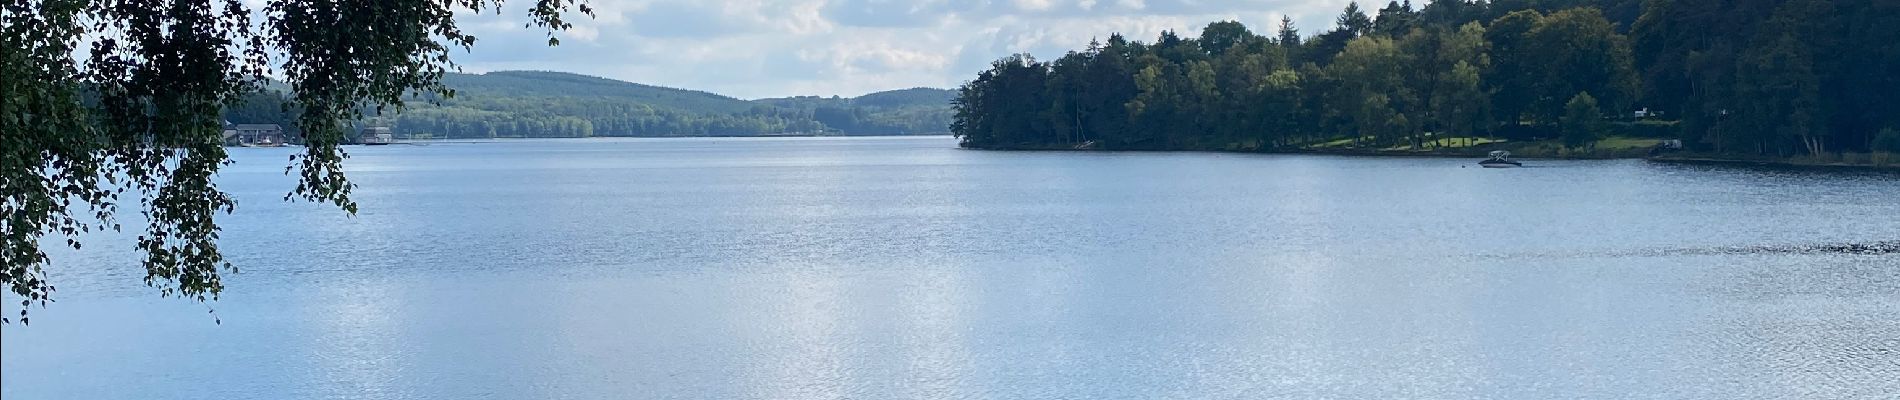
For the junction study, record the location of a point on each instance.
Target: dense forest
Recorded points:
(554, 104)
(1745, 77)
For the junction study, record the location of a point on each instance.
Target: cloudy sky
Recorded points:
(772, 48)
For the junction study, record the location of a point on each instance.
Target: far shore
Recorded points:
(1803, 163)
(1543, 151)
(446, 140)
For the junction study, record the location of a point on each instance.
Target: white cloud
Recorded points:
(1035, 5)
(772, 48)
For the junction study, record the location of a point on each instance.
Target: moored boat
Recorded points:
(1500, 159)
(376, 136)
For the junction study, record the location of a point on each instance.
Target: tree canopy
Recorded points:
(108, 98)
(1778, 78)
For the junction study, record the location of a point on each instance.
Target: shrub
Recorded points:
(1582, 122)
(1888, 141)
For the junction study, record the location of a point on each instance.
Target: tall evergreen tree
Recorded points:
(1395, 19)
(1288, 37)
(1353, 20)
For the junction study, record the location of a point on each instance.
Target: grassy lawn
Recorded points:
(1608, 147)
(1449, 143)
(1341, 142)
(1626, 143)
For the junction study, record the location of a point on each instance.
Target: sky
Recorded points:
(774, 48)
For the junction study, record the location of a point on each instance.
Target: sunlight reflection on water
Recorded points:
(904, 268)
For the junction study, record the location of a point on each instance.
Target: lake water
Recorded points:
(871, 268)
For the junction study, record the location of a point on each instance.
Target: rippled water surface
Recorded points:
(904, 268)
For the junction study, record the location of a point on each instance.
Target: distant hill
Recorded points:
(562, 84)
(926, 97)
(903, 98)
(918, 110)
(558, 104)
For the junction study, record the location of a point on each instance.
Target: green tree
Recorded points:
(1862, 86)
(1582, 121)
(1288, 37)
(1066, 87)
(1373, 89)
(1423, 47)
(1354, 20)
(1005, 106)
(1241, 90)
(1350, 24)
(1395, 19)
(144, 112)
(1780, 93)
(1459, 104)
(1280, 104)
(1513, 72)
(1452, 12)
(1110, 86)
(1157, 108)
(1661, 41)
(1777, 78)
(1577, 50)
(1202, 98)
(1218, 37)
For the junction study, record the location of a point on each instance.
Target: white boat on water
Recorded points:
(376, 136)
(1500, 159)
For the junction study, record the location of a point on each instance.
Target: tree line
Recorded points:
(1777, 78)
(515, 104)
(557, 104)
(583, 117)
(572, 118)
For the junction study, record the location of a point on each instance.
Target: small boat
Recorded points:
(1500, 159)
(376, 136)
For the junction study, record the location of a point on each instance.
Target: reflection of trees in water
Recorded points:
(1867, 248)
(1873, 248)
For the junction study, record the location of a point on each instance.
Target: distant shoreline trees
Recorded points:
(540, 104)
(1778, 78)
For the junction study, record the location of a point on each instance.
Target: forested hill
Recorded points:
(543, 84)
(557, 104)
(918, 110)
(1775, 78)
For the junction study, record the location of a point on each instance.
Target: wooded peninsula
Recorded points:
(1736, 78)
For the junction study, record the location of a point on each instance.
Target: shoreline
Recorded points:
(1677, 158)
(1352, 152)
(1773, 163)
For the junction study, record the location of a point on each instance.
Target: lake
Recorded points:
(869, 268)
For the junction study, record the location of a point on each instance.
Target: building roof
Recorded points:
(258, 127)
